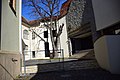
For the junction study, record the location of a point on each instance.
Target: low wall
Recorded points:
(9, 65)
(107, 53)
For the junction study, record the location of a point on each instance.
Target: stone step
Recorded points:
(25, 77)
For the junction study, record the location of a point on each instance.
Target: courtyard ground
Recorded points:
(82, 66)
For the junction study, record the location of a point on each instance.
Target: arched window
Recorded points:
(25, 34)
(12, 5)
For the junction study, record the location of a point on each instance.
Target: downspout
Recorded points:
(20, 38)
(0, 20)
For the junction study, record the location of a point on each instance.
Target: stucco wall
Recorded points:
(107, 52)
(64, 37)
(106, 12)
(26, 42)
(9, 42)
(37, 44)
(12, 68)
(10, 27)
(113, 44)
(101, 53)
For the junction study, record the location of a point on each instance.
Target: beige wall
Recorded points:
(107, 12)
(10, 27)
(12, 67)
(107, 52)
(113, 44)
(10, 41)
(101, 53)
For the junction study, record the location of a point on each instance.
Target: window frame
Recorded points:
(26, 47)
(12, 5)
(33, 54)
(25, 34)
(33, 36)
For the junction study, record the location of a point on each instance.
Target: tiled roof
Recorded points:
(65, 7)
(24, 20)
(63, 12)
(34, 23)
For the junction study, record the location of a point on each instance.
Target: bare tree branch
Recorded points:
(46, 11)
(37, 35)
(60, 30)
(43, 10)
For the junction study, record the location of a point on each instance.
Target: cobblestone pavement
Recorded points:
(85, 68)
(32, 66)
(69, 65)
(83, 74)
(73, 70)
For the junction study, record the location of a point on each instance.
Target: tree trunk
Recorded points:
(55, 54)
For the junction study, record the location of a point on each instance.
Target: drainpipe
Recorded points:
(0, 21)
(20, 41)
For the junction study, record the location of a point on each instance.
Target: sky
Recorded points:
(25, 11)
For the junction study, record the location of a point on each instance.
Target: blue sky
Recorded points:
(25, 11)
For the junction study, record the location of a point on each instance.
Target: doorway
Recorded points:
(79, 44)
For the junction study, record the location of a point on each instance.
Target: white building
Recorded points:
(34, 46)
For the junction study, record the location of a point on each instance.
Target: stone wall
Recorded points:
(9, 68)
(75, 13)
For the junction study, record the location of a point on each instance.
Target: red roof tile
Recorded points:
(24, 20)
(65, 7)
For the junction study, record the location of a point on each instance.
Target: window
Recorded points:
(33, 54)
(117, 31)
(25, 34)
(26, 47)
(26, 50)
(33, 35)
(12, 5)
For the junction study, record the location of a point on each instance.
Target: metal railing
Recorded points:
(41, 54)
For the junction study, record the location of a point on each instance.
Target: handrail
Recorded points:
(7, 71)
